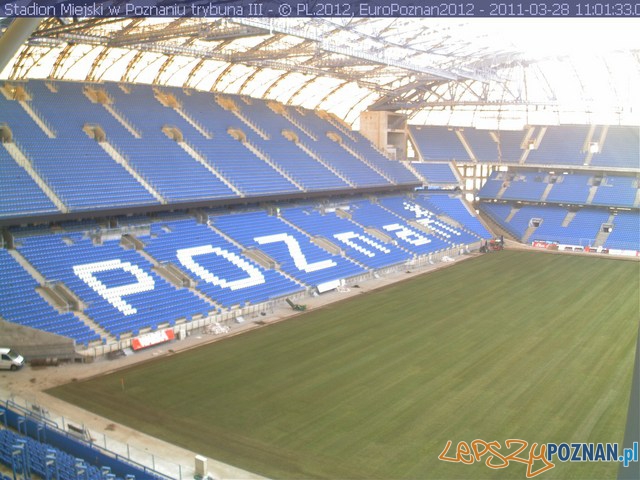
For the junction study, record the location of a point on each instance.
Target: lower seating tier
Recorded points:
(32, 449)
(585, 227)
(123, 291)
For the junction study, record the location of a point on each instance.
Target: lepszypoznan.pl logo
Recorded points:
(538, 457)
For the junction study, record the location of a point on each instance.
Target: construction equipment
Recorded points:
(496, 244)
(295, 306)
(493, 245)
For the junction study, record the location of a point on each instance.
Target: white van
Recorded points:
(10, 360)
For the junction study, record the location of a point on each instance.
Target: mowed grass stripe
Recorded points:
(511, 345)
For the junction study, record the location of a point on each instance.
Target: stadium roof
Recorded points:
(480, 72)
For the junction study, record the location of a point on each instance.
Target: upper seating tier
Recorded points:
(439, 143)
(19, 193)
(74, 166)
(437, 173)
(562, 145)
(111, 146)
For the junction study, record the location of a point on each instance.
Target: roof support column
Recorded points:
(14, 37)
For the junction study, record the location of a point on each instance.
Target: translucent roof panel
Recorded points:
(452, 70)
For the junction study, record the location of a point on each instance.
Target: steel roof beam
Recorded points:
(372, 55)
(213, 31)
(212, 54)
(14, 36)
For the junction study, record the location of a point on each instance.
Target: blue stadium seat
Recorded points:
(409, 238)
(249, 173)
(307, 171)
(21, 304)
(82, 174)
(410, 210)
(493, 185)
(580, 227)
(358, 173)
(626, 232)
(484, 148)
(393, 170)
(525, 186)
(45, 460)
(574, 188)
(510, 143)
(436, 173)
(121, 290)
(620, 148)
(452, 206)
(221, 269)
(346, 234)
(19, 193)
(294, 251)
(438, 143)
(616, 191)
(561, 145)
(170, 169)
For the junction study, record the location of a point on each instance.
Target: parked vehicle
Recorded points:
(10, 360)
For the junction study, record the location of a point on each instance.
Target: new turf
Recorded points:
(509, 345)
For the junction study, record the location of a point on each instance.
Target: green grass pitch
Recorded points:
(521, 345)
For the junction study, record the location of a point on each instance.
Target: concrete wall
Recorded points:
(35, 344)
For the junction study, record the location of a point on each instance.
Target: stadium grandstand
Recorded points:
(160, 177)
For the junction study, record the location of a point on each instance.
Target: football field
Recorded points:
(509, 345)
